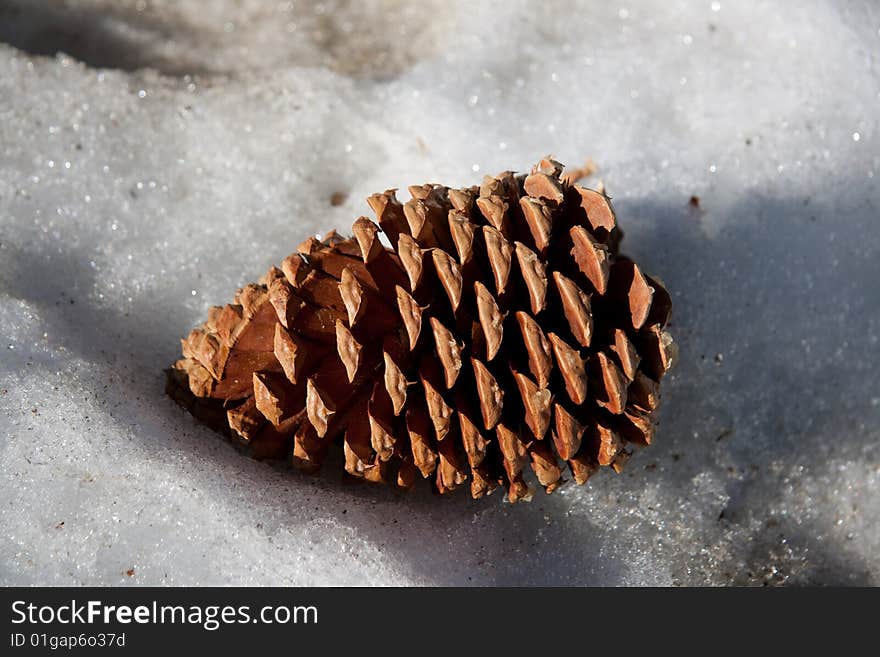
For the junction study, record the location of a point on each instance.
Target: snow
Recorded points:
(180, 148)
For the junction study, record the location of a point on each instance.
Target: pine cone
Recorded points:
(503, 329)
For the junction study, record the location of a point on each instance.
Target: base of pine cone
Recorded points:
(501, 331)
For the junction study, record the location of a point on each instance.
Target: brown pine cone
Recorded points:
(503, 329)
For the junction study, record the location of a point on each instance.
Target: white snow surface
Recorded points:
(177, 149)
